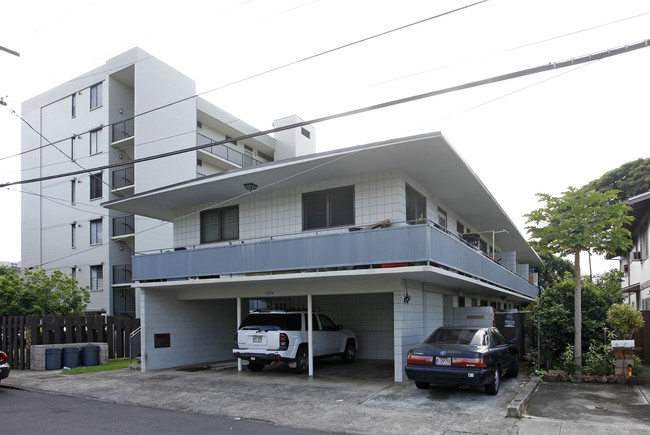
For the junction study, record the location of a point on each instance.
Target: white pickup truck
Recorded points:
(272, 337)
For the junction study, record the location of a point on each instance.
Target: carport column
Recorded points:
(237, 327)
(310, 336)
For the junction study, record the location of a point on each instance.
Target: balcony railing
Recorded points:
(122, 130)
(399, 245)
(123, 177)
(225, 152)
(123, 225)
(122, 274)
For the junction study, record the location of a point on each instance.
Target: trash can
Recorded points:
(70, 356)
(89, 356)
(53, 358)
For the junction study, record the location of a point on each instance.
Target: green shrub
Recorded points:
(599, 360)
(624, 320)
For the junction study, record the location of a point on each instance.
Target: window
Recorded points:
(96, 277)
(305, 132)
(220, 224)
(73, 191)
(416, 206)
(73, 235)
(460, 228)
(483, 246)
(95, 96)
(474, 302)
(72, 148)
(442, 218)
(96, 185)
(461, 301)
(73, 272)
(328, 208)
(327, 324)
(643, 242)
(96, 232)
(95, 136)
(73, 108)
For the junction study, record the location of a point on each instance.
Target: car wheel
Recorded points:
(493, 388)
(350, 352)
(302, 360)
(422, 385)
(515, 367)
(255, 367)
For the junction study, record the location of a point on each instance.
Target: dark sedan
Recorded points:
(4, 365)
(463, 356)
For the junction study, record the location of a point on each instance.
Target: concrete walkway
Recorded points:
(341, 398)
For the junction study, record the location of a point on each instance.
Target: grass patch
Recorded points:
(113, 364)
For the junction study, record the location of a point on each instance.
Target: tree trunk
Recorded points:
(577, 342)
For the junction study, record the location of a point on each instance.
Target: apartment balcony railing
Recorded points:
(225, 152)
(122, 130)
(398, 245)
(122, 274)
(123, 177)
(123, 225)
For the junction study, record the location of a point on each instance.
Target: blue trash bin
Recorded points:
(53, 358)
(89, 356)
(70, 356)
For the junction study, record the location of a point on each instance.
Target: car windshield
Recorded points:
(286, 322)
(456, 336)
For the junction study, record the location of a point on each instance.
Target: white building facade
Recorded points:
(390, 239)
(634, 262)
(101, 127)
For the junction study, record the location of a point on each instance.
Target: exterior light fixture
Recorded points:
(250, 186)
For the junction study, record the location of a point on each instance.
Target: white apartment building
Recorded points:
(100, 126)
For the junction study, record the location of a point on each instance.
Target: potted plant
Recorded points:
(624, 320)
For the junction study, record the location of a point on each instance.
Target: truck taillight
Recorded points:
(284, 341)
(3, 357)
(467, 362)
(420, 359)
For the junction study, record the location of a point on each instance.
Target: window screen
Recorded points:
(416, 206)
(220, 224)
(328, 208)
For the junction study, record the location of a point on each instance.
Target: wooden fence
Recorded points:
(18, 333)
(642, 339)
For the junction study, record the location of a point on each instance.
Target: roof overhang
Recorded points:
(428, 159)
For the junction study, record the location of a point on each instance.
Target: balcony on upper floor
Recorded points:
(124, 226)
(122, 274)
(122, 133)
(225, 152)
(443, 258)
(122, 180)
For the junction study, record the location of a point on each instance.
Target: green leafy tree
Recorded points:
(630, 179)
(579, 221)
(624, 319)
(35, 293)
(554, 270)
(555, 310)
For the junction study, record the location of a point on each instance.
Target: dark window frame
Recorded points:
(96, 185)
(329, 208)
(220, 214)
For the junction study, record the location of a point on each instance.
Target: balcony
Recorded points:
(122, 130)
(450, 259)
(123, 226)
(122, 178)
(122, 274)
(225, 152)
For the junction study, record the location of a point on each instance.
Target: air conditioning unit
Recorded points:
(636, 256)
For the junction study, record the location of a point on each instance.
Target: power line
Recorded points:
(495, 79)
(313, 56)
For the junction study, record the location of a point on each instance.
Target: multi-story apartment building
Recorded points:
(634, 262)
(391, 239)
(102, 126)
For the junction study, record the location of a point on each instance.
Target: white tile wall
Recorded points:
(201, 331)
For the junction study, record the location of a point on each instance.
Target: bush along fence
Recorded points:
(18, 333)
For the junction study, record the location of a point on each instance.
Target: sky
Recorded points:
(540, 133)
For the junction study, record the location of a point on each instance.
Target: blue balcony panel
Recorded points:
(419, 244)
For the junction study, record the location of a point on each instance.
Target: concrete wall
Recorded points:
(200, 331)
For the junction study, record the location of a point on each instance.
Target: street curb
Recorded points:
(518, 404)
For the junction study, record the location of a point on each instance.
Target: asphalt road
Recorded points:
(29, 412)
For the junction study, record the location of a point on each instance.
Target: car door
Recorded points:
(331, 335)
(319, 336)
(502, 350)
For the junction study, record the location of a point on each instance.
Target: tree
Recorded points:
(554, 310)
(624, 320)
(579, 221)
(631, 179)
(35, 293)
(554, 269)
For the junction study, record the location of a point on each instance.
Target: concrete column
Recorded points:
(310, 335)
(239, 367)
